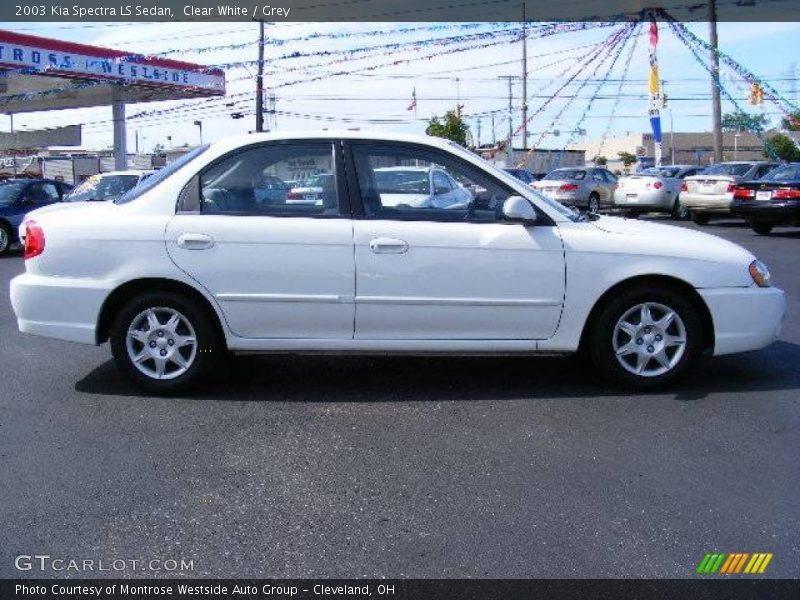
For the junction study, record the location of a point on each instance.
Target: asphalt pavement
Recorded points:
(401, 467)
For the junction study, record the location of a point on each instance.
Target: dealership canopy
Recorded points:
(38, 74)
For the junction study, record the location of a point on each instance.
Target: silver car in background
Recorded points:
(588, 188)
(710, 193)
(420, 187)
(656, 189)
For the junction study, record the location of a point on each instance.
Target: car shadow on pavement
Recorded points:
(377, 379)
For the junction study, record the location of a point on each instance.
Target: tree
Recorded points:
(784, 147)
(742, 121)
(600, 161)
(453, 128)
(158, 149)
(627, 159)
(792, 121)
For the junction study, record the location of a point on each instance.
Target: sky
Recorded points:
(378, 98)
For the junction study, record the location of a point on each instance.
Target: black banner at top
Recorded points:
(390, 10)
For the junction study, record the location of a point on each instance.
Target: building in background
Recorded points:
(684, 148)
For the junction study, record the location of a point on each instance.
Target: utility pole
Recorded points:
(494, 136)
(524, 80)
(716, 106)
(510, 141)
(260, 79)
(479, 133)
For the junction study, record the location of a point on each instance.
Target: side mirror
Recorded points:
(519, 210)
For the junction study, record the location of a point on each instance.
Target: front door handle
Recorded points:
(195, 241)
(388, 246)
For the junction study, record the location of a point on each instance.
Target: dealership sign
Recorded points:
(66, 59)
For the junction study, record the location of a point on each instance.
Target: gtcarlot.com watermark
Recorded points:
(60, 564)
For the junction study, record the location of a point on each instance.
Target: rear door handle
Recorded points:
(195, 241)
(388, 246)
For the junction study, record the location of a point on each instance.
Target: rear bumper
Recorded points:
(58, 307)
(707, 202)
(744, 318)
(653, 200)
(774, 212)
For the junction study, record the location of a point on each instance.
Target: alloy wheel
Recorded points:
(161, 343)
(649, 339)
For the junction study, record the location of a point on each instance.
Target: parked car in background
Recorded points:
(173, 285)
(770, 201)
(586, 188)
(105, 187)
(310, 191)
(420, 187)
(655, 189)
(523, 175)
(20, 196)
(709, 194)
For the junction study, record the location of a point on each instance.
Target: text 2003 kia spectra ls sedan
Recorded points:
(197, 259)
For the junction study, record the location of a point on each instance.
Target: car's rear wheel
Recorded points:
(646, 337)
(761, 228)
(5, 238)
(700, 218)
(164, 342)
(594, 204)
(679, 211)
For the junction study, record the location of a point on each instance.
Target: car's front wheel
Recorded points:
(646, 337)
(164, 342)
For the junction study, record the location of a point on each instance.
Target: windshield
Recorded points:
(735, 169)
(160, 175)
(9, 191)
(402, 182)
(566, 174)
(784, 173)
(102, 188)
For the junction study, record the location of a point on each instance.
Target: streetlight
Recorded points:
(200, 126)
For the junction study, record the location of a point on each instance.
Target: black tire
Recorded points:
(679, 212)
(632, 214)
(761, 228)
(5, 238)
(593, 206)
(700, 218)
(208, 350)
(603, 334)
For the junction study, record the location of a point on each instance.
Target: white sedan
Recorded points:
(189, 264)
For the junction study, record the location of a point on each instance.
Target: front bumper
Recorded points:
(720, 203)
(58, 307)
(771, 211)
(744, 318)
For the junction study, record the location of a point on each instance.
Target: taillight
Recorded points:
(34, 239)
(743, 193)
(658, 185)
(568, 187)
(684, 187)
(293, 196)
(786, 193)
(731, 187)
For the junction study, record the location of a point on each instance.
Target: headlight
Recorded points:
(760, 273)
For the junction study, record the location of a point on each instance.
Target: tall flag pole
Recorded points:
(655, 92)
